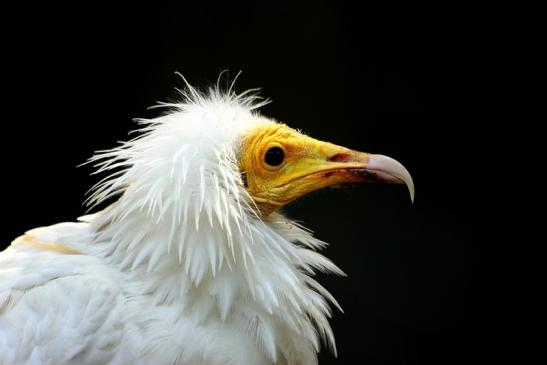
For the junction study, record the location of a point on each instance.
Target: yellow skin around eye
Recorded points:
(307, 165)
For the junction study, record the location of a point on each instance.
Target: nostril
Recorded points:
(340, 157)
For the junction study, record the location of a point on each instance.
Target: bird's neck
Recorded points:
(218, 270)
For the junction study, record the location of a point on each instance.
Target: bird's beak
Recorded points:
(330, 164)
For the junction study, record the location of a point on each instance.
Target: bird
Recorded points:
(192, 261)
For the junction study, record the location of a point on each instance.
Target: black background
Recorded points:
(404, 82)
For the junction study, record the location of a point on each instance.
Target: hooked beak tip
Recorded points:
(390, 171)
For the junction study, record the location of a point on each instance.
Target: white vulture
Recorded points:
(192, 263)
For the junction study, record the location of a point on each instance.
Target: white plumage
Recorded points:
(179, 270)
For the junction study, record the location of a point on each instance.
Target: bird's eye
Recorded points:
(274, 156)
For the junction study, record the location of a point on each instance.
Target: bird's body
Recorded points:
(71, 302)
(192, 264)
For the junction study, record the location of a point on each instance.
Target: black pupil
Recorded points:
(274, 156)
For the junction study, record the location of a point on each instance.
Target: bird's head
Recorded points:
(214, 153)
(280, 164)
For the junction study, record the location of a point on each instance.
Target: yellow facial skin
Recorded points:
(308, 165)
